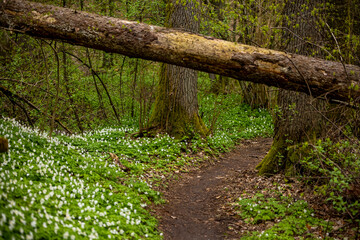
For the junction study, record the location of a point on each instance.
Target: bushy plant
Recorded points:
(292, 218)
(334, 169)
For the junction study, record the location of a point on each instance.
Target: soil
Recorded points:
(197, 203)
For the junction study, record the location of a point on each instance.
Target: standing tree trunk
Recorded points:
(300, 116)
(67, 84)
(56, 101)
(254, 94)
(69, 90)
(176, 104)
(108, 58)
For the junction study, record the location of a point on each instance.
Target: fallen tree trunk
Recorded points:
(316, 77)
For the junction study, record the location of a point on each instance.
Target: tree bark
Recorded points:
(300, 117)
(316, 77)
(176, 106)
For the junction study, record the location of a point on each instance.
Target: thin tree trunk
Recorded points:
(96, 86)
(142, 98)
(133, 88)
(65, 75)
(47, 106)
(108, 57)
(120, 85)
(94, 74)
(11, 95)
(256, 95)
(57, 85)
(21, 107)
(67, 88)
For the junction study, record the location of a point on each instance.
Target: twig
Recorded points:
(102, 83)
(116, 160)
(307, 84)
(302, 39)
(8, 93)
(337, 45)
(28, 84)
(22, 108)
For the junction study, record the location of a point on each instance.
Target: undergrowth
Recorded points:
(70, 187)
(333, 170)
(228, 118)
(52, 189)
(289, 218)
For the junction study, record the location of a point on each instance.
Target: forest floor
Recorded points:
(197, 204)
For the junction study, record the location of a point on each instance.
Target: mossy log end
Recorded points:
(4, 145)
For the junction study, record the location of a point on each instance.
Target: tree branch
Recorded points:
(11, 95)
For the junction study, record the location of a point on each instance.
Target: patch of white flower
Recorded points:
(46, 189)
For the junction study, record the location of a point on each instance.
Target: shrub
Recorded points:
(334, 169)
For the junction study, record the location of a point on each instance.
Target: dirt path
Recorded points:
(195, 202)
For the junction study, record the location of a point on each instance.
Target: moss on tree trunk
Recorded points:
(298, 120)
(300, 117)
(176, 105)
(282, 157)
